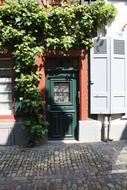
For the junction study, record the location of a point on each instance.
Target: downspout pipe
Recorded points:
(107, 126)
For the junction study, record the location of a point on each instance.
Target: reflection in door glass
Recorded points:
(61, 92)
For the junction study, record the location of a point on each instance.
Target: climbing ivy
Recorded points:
(27, 30)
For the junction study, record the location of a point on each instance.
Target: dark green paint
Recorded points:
(62, 116)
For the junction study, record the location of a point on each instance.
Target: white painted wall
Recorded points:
(95, 130)
(91, 130)
(121, 19)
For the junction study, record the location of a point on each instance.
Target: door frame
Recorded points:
(83, 76)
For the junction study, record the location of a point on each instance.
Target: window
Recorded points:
(61, 63)
(61, 92)
(5, 86)
(87, 1)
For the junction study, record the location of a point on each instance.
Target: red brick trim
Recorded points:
(83, 105)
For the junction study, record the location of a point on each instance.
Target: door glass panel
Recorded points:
(61, 92)
(61, 63)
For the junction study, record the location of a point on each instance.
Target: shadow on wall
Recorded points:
(124, 133)
(11, 133)
(19, 137)
(121, 126)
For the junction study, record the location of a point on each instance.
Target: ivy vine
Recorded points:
(27, 30)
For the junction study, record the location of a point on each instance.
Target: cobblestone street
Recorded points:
(60, 166)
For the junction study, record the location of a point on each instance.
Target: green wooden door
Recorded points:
(61, 100)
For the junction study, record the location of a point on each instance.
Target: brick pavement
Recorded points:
(59, 166)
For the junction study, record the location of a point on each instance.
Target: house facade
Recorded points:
(70, 107)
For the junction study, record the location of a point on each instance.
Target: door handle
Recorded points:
(91, 82)
(48, 107)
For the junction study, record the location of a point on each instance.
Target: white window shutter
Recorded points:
(108, 76)
(100, 76)
(118, 75)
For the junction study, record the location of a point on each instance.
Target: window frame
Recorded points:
(11, 114)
